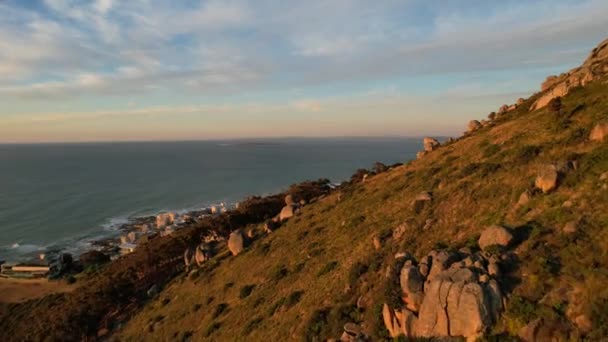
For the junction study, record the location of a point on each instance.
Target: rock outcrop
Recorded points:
(495, 235)
(592, 69)
(458, 297)
(430, 144)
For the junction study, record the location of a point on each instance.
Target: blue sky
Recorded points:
(101, 70)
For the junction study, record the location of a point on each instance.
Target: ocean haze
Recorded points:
(64, 195)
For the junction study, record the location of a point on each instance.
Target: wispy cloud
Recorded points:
(103, 50)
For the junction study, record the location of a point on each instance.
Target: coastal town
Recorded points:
(57, 264)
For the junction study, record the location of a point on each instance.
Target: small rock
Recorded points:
(152, 291)
(377, 242)
(583, 323)
(567, 204)
(484, 278)
(604, 176)
(495, 235)
(524, 198)
(599, 132)
(570, 227)
(494, 269)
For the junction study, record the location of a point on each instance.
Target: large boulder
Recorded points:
(287, 212)
(599, 132)
(495, 235)
(430, 144)
(165, 219)
(547, 178)
(236, 242)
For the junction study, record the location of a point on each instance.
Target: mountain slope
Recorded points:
(321, 269)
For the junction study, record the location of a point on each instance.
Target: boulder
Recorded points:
(473, 125)
(421, 200)
(401, 229)
(503, 109)
(202, 254)
(495, 235)
(430, 144)
(287, 212)
(547, 178)
(236, 242)
(93, 258)
(132, 237)
(412, 284)
(604, 177)
(599, 132)
(289, 200)
(494, 269)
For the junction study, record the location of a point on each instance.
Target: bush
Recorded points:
(327, 268)
(220, 309)
(252, 325)
(213, 327)
(293, 298)
(356, 271)
(555, 105)
(279, 272)
(525, 154)
(246, 291)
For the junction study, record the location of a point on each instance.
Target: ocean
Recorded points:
(62, 196)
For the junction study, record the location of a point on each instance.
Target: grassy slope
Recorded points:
(302, 272)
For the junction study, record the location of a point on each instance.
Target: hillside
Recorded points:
(321, 270)
(340, 259)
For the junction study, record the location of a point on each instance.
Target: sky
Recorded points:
(110, 70)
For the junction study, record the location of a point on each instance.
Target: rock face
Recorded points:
(592, 69)
(430, 144)
(473, 125)
(452, 302)
(599, 132)
(547, 178)
(236, 242)
(495, 235)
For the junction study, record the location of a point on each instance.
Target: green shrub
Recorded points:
(327, 268)
(252, 325)
(246, 291)
(213, 327)
(526, 154)
(279, 272)
(219, 310)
